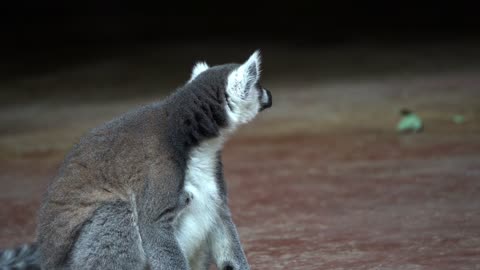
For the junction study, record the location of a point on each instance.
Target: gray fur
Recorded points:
(116, 198)
(203, 258)
(225, 244)
(107, 241)
(23, 257)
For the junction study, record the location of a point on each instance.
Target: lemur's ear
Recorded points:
(241, 81)
(197, 69)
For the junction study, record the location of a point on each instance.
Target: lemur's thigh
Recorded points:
(110, 240)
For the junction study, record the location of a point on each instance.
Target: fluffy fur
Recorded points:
(19, 258)
(197, 69)
(146, 190)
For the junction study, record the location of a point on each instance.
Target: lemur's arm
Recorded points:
(163, 198)
(162, 249)
(227, 250)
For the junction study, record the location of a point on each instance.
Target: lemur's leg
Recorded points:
(162, 200)
(109, 240)
(227, 251)
(201, 259)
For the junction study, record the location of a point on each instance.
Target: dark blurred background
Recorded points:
(323, 179)
(54, 33)
(315, 22)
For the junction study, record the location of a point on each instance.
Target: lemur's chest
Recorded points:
(198, 219)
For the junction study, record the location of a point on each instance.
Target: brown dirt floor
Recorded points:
(321, 180)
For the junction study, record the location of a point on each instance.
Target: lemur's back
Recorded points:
(108, 165)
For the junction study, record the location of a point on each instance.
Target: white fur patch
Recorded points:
(135, 225)
(244, 103)
(197, 221)
(197, 69)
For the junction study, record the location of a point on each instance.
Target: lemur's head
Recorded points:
(238, 86)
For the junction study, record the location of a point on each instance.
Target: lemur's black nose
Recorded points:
(266, 100)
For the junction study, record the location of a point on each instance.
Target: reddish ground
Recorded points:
(320, 181)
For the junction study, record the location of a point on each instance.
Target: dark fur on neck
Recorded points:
(196, 112)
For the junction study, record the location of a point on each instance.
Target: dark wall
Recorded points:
(61, 23)
(39, 34)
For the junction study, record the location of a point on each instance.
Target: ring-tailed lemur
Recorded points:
(146, 190)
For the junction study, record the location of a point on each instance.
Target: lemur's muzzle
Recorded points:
(266, 101)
